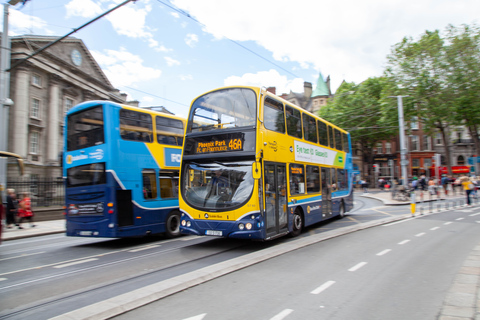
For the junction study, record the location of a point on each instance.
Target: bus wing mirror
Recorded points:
(256, 170)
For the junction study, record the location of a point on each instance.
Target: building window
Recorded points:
(388, 147)
(414, 144)
(415, 163)
(68, 104)
(36, 80)
(427, 145)
(438, 139)
(379, 147)
(35, 109)
(414, 123)
(427, 163)
(34, 140)
(461, 161)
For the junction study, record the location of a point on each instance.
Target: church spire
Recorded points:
(321, 89)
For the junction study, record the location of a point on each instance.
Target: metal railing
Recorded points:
(43, 192)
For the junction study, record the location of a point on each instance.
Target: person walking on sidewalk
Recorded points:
(25, 211)
(12, 205)
(468, 186)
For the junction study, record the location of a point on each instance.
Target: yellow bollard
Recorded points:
(412, 203)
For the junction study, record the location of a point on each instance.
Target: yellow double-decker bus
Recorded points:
(255, 166)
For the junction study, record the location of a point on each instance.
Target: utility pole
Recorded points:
(5, 101)
(403, 148)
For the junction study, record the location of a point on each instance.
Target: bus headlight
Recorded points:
(184, 223)
(241, 226)
(189, 224)
(248, 226)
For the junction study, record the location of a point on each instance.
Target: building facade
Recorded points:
(43, 88)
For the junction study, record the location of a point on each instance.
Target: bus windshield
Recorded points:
(223, 109)
(85, 129)
(218, 185)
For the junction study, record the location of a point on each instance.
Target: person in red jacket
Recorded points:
(25, 211)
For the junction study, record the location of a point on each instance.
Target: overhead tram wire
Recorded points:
(235, 42)
(154, 95)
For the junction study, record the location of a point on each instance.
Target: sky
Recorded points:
(168, 52)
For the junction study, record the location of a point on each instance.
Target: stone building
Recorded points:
(43, 88)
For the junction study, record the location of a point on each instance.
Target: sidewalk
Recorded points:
(41, 228)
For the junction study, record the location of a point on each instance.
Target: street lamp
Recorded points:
(403, 148)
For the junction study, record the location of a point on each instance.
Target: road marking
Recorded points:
(144, 248)
(74, 263)
(384, 252)
(404, 241)
(3, 279)
(397, 222)
(474, 214)
(22, 255)
(199, 317)
(458, 219)
(447, 223)
(420, 234)
(435, 228)
(358, 266)
(323, 287)
(282, 314)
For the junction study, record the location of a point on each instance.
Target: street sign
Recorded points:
(471, 160)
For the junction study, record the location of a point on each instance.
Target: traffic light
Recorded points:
(376, 168)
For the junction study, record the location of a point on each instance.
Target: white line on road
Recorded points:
(199, 317)
(282, 314)
(23, 255)
(74, 263)
(3, 279)
(447, 223)
(384, 252)
(358, 266)
(404, 241)
(420, 234)
(458, 219)
(323, 287)
(145, 248)
(435, 228)
(474, 214)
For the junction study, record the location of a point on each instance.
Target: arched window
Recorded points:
(461, 160)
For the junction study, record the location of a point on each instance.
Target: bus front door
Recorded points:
(275, 199)
(326, 193)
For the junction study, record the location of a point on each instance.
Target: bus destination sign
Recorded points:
(224, 145)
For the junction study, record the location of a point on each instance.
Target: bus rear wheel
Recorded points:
(297, 223)
(172, 225)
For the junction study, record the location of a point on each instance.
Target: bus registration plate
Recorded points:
(214, 233)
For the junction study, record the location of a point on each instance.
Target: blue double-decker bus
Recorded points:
(121, 170)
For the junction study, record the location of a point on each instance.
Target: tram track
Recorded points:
(58, 304)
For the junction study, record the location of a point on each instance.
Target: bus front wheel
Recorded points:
(172, 225)
(297, 223)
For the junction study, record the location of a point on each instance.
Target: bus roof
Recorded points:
(264, 91)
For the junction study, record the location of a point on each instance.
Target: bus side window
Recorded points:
(294, 123)
(136, 126)
(334, 179)
(322, 133)
(273, 115)
(338, 139)
(169, 131)
(149, 184)
(309, 128)
(331, 142)
(297, 179)
(313, 179)
(342, 179)
(168, 184)
(345, 142)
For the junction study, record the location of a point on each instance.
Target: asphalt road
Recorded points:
(47, 276)
(399, 271)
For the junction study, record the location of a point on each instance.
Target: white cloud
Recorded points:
(185, 77)
(269, 78)
(345, 39)
(20, 23)
(83, 8)
(172, 62)
(123, 68)
(191, 40)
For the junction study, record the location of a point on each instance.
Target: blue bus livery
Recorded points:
(121, 170)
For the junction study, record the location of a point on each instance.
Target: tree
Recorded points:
(358, 109)
(418, 68)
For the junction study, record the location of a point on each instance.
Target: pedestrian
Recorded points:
(422, 183)
(468, 186)
(431, 187)
(364, 186)
(415, 183)
(12, 205)
(444, 182)
(25, 211)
